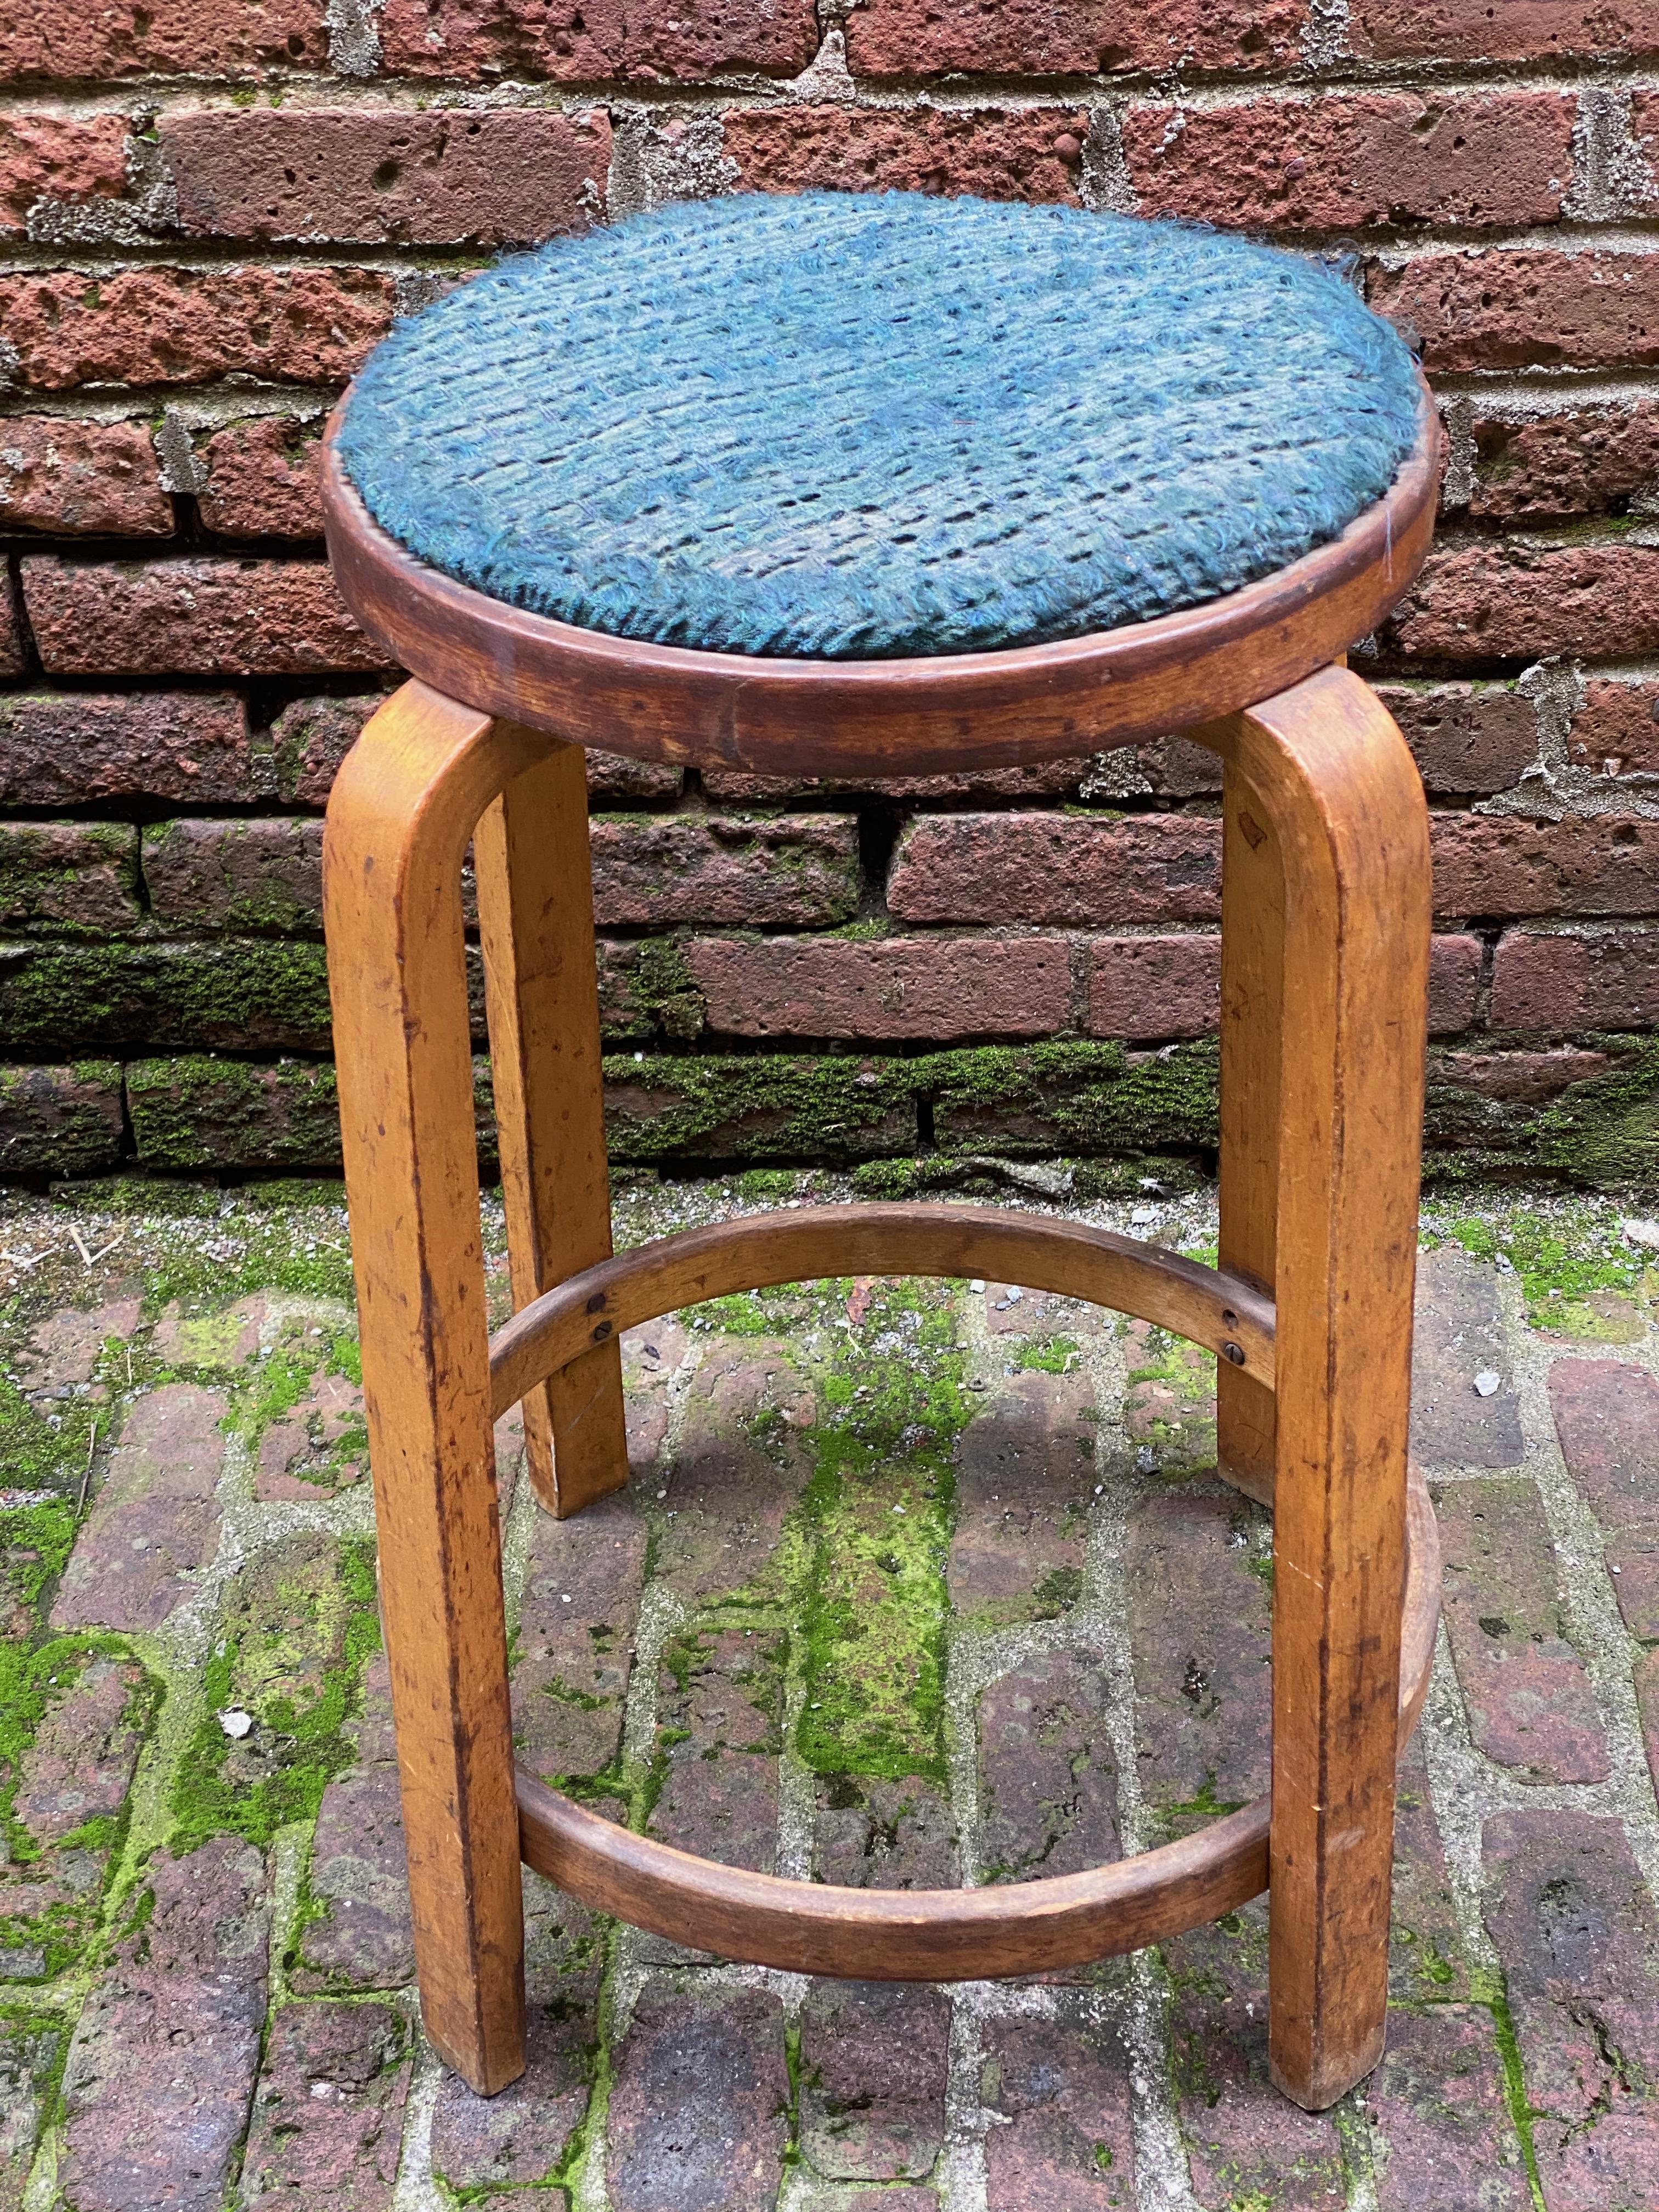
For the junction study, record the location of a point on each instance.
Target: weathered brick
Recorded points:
(221, 618)
(1443, 2139)
(1146, 987)
(1057, 868)
(1511, 601)
(699, 2111)
(1465, 736)
(874, 1834)
(1426, 1960)
(1503, 866)
(1198, 1611)
(60, 1120)
(161, 2072)
(575, 1640)
(1647, 1707)
(470, 39)
(1518, 1078)
(1068, 38)
(873, 2058)
(1460, 1335)
(265, 873)
(306, 1453)
(899, 986)
(1063, 2133)
(60, 40)
(1169, 1405)
(998, 154)
(62, 1352)
(1529, 1699)
(1356, 158)
(327, 2115)
(653, 871)
(1616, 731)
(1524, 307)
(1243, 2138)
(11, 634)
(155, 1522)
(199, 1113)
(448, 177)
(1517, 31)
(1606, 981)
(1057, 779)
(82, 876)
(1047, 1777)
(261, 479)
(1552, 467)
(718, 1711)
(162, 326)
(1606, 1416)
(61, 474)
(1026, 1468)
(1577, 1933)
(728, 1494)
(31, 2055)
(60, 158)
(79, 1765)
(68, 749)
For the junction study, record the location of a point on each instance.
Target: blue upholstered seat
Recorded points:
(860, 426)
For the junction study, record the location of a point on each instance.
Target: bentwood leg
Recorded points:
(402, 810)
(536, 916)
(1252, 1032)
(1340, 789)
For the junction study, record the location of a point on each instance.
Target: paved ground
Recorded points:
(915, 1584)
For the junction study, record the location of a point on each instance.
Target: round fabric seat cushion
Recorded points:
(858, 426)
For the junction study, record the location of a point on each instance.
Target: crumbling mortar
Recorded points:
(1612, 177)
(1552, 787)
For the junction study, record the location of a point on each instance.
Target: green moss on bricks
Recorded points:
(652, 988)
(34, 1549)
(300, 1624)
(243, 994)
(1578, 1274)
(1072, 1098)
(760, 1107)
(1600, 1132)
(869, 1541)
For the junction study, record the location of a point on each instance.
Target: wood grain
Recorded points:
(399, 816)
(879, 718)
(814, 1242)
(1333, 776)
(535, 921)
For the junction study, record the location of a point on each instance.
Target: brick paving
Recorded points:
(915, 1584)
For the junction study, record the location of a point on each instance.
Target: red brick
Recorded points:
(579, 39)
(1059, 2097)
(79, 875)
(1143, 987)
(1522, 1078)
(1465, 736)
(1589, 460)
(1503, 866)
(1058, 868)
(264, 873)
(57, 473)
(205, 616)
(1031, 154)
(1512, 31)
(651, 870)
(64, 750)
(440, 177)
(1513, 602)
(1358, 158)
(1069, 38)
(51, 156)
(1607, 982)
(898, 986)
(1528, 307)
(1530, 1701)
(1617, 722)
(59, 39)
(158, 326)
(11, 634)
(261, 478)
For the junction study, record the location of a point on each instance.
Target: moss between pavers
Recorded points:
(869, 1541)
(1578, 1273)
(301, 1623)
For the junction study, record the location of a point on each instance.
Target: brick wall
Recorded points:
(209, 215)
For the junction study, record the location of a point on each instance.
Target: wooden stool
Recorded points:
(1325, 948)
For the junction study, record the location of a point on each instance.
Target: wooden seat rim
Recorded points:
(922, 716)
(921, 1935)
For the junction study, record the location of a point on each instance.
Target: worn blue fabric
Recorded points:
(857, 426)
